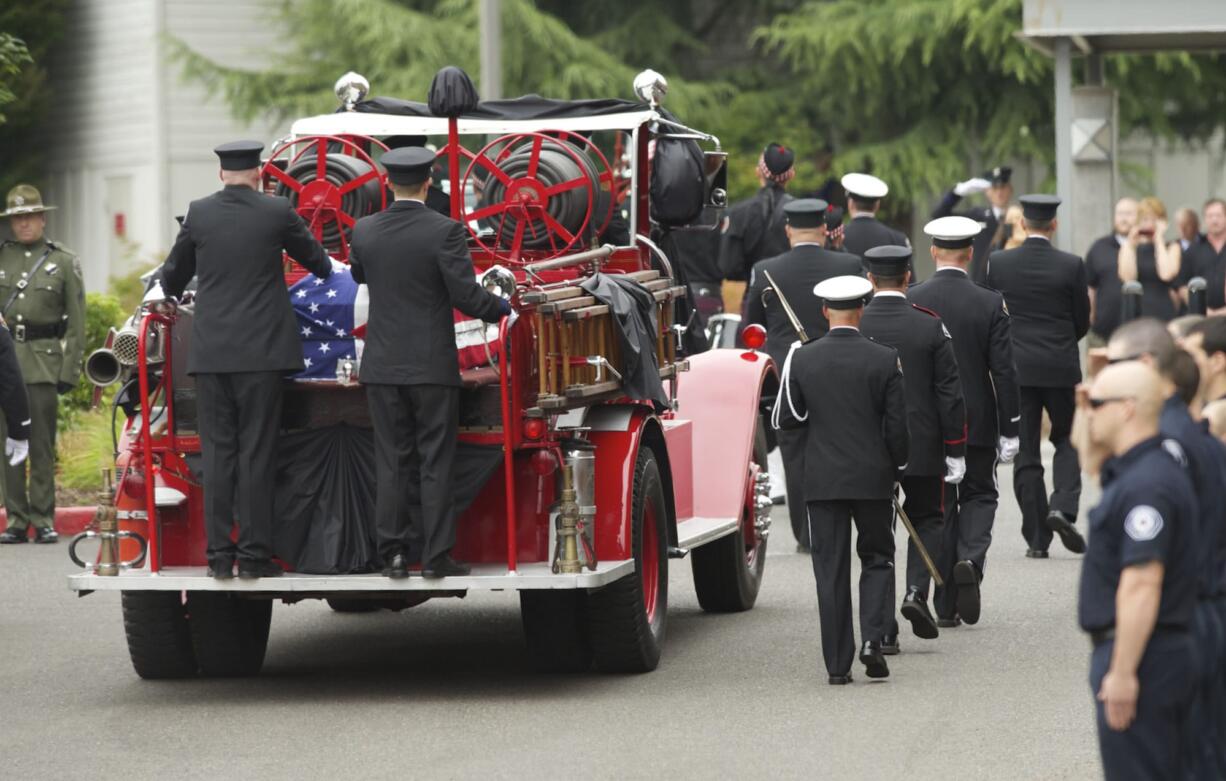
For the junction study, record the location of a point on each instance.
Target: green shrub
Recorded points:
(85, 450)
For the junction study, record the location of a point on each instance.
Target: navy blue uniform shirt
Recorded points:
(1147, 513)
(1207, 468)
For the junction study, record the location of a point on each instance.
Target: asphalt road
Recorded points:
(445, 690)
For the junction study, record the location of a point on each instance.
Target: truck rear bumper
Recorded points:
(484, 577)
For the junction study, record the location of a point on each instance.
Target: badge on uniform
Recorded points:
(50, 268)
(1143, 523)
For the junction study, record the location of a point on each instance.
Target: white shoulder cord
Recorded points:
(785, 391)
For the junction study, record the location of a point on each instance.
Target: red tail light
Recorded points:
(754, 336)
(534, 428)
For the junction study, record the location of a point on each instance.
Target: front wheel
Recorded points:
(627, 618)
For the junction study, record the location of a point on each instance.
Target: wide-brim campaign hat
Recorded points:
(25, 199)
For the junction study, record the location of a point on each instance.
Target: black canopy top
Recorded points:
(524, 108)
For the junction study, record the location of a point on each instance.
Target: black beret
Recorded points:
(239, 155)
(778, 158)
(408, 165)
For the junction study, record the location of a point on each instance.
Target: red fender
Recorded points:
(721, 396)
(618, 431)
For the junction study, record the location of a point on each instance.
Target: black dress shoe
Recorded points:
(445, 567)
(14, 536)
(839, 680)
(221, 569)
(260, 568)
(889, 645)
(873, 660)
(967, 578)
(949, 623)
(1063, 525)
(396, 567)
(46, 536)
(1035, 553)
(915, 609)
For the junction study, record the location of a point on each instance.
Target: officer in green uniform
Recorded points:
(42, 299)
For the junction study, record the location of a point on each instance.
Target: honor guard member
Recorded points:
(847, 390)
(978, 320)
(435, 197)
(936, 418)
(754, 229)
(999, 190)
(1048, 299)
(244, 343)
(417, 267)
(797, 272)
(863, 231)
(1138, 580)
(42, 299)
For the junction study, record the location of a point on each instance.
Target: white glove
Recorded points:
(955, 469)
(511, 318)
(976, 185)
(16, 450)
(337, 266)
(1006, 451)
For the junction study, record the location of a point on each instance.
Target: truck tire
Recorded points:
(728, 571)
(342, 605)
(159, 640)
(229, 634)
(627, 618)
(556, 630)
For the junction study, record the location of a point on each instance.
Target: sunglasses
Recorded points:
(1097, 403)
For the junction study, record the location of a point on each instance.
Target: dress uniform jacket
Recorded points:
(797, 271)
(851, 390)
(1047, 296)
(232, 241)
(862, 233)
(978, 321)
(936, 414)
(753, 231)
(51, 305)
(982, 247)
(417, 265)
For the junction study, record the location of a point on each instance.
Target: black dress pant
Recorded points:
(792, 450)
(924, 505)
(970, 510)
(1028, 483)
(830, 530)
(1152, 746)
(240, 417)
(415, 428)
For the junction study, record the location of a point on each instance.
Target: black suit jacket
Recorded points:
(232, 241)
(936, 413)
(1047, 296)
(979, 323)
(861, 234)
(753, 230)
(851, 389)
(982, 247)
(797, 271)
(416, 264)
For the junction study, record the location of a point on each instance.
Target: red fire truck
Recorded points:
(584, 493)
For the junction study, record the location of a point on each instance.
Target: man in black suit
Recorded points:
(864, 231)
(1047, 296)
(244, 342)
(416, 264)
(796, 272)
(435, 197)
(978, 320)
(936, 418)
(999, 190)
(848, 391)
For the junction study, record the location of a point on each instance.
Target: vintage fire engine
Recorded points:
(581, 494)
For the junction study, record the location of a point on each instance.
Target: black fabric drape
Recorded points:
(634, 312)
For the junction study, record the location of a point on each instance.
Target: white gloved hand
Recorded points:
(976, 185)
(337, 265)
(955, 469)
(16, 450)
(511, 318)
(1007, 449)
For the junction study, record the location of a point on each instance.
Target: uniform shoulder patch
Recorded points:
(1143, 523)
(1175, 451)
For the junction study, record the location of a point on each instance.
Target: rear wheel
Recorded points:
(728, 572)
(627, 618)
(556, 631)
(229, 634)
(159, 640)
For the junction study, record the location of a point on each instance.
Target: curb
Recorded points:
(68, 520)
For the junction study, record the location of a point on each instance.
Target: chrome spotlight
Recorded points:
(651, 87)
(351, 89)
(499, 281)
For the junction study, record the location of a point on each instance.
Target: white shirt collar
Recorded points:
(1120, 239)
(844, 328)
(864, 215)
(959, 269)
(806, 244)
(997, 212)
(884, 293)
(414, 200)
(1037, 236)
